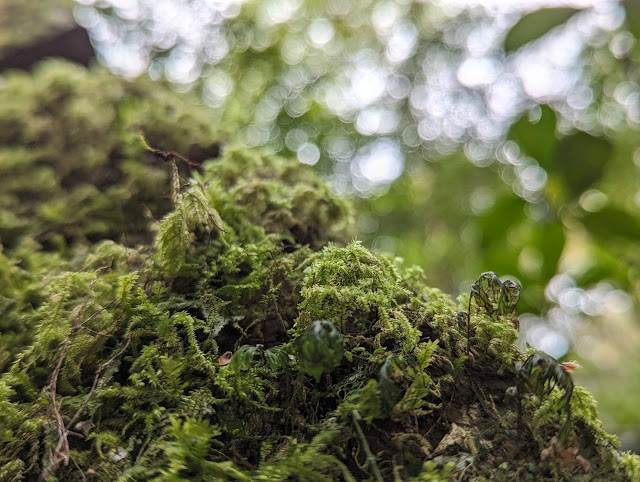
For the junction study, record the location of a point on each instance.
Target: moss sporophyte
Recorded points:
(212, 320)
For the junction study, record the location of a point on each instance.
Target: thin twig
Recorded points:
(61, 452)
(95, 383)
(468, 324)
(166, 155)
(96, 333)
(84, 477)
(371, 459)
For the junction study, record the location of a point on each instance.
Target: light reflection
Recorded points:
(217, 87)
(376, 120)
(320, 32)
(385, 244)
(481, 200)
(533, 178)
(379, 162)
(478, 71)
(402, 43)
(593, 200)
(308, 153)
(273, 12)
(385, 15)
(543, 338)
(574, 306)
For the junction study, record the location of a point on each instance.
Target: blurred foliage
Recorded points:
(535, 25)
(21, 22)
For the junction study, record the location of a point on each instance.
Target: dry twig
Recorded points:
(61, 452)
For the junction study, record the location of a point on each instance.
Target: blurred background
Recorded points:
(477, 135)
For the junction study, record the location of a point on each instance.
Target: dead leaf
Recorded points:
(225, 359)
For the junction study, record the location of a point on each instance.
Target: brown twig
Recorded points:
(96, 333)
(469, 326)
(166, 156)
(61, 452)
(95, 383)
(84, 477)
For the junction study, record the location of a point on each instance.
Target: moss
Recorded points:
(631, 462)
(72, 165)
(117, 352)
(20, 23)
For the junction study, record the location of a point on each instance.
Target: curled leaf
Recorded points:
(225, 359)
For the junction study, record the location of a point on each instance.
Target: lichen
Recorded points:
(117, 329)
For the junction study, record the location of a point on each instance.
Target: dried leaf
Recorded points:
(225, 359)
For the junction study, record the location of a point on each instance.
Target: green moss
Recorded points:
(20, 23)
(118, 348)
(631, 462)
(72, 165)
(359, 291)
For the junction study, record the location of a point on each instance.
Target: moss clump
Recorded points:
(21, 23)
(359, 292)
(72, 164)
(182, 356)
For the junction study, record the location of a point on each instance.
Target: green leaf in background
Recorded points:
(612, 222)
(632, 8)
(243, 358)
(320, 348)
(549, 240)
(537, 139)
(535, 25)
(580, 160)
(507, 211)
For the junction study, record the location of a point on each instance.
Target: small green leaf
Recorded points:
(144, 142)
(424, 353)
(243, 358)
(276, 358)
(320, 348)
(534, 25)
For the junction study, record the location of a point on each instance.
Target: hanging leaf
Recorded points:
(534, 25)
(320, 348)
(199, 214)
